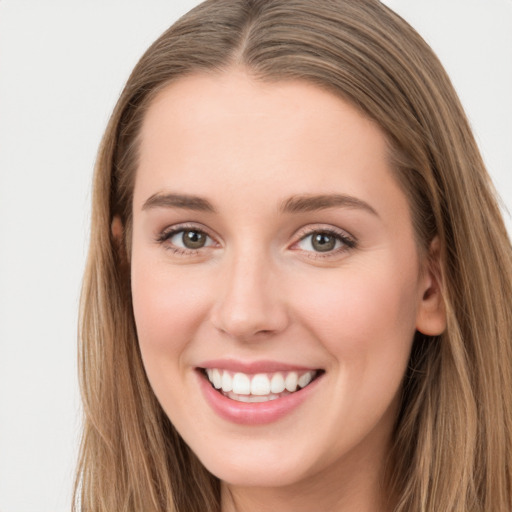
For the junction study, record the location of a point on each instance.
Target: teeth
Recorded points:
(241, 384)
(254, 398)
(260, 387)
(305, 379)
(291, 382)
(216, 379)
(277, 383)
(227, 382)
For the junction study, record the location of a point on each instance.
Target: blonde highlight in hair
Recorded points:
(453, 437)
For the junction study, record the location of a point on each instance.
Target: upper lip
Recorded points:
(253, 366)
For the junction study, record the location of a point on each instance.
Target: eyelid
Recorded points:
(348, 241)
(167, 233)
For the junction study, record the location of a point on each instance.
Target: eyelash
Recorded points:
(168, 233)
(347, 241)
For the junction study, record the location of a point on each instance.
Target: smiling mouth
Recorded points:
(259, 387)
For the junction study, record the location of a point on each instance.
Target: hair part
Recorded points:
(453, 437)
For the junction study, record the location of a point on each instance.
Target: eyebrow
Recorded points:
(310, 203)
(295, 204)
(187, 202)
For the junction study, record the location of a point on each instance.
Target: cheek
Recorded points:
(363, 310)
(168, 305)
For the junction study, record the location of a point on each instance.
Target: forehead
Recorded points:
(210, 104)
(231, 136)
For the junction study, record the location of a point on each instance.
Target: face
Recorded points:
(276, 281)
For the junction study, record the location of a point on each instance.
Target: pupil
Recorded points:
(323, 242)
(194, 239)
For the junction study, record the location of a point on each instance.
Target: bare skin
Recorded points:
(268, 229)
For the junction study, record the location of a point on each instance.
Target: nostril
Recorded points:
(248, 322)
(249, 303)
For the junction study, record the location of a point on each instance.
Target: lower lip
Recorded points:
(257, 413)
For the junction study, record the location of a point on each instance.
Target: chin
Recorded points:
(256, 475)
(256, 466)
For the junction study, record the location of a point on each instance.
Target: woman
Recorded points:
(299, 282)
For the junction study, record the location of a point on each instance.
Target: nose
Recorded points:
(251, 303)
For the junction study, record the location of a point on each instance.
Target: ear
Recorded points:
(117, 229)
(431, 315)
(119, 238)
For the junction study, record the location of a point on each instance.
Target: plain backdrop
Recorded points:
(62, 66)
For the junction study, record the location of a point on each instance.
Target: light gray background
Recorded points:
(62, 66)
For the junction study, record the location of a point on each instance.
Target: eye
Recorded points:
(325, 241)
(186, 239)
(190, 239)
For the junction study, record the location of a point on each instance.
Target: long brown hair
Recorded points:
(453, 437)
